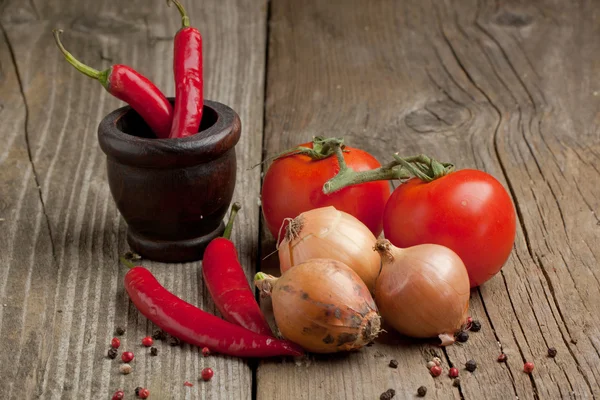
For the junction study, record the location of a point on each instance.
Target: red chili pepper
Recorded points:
(130, 86)
(227, 283)
(187, 68)
(192, 325)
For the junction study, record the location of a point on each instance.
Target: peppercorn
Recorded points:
(147, 341)
(387, 395)
(436, 370)
(207, 374)
(144, 394)
(125, 369)
(456, 382)
(153, 351)
(453, 372)
(159, 335)
(437, 361)
(112, 353)
(118, 395)
(528, 367)
(431, 364)
(552, 352)
(127, 356)
(475, 326)
(115, 343)
(137, 390)
(205, 351)
(471, 365)
(422, 391)
(393, 364)
(469, 321)
(119, 331)
(502, 357)
(462, 336)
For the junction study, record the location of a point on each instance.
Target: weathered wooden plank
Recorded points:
(506, 88)
(60, 278)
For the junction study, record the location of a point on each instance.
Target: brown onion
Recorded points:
(329, 233)
(323, 306)
(422, 291)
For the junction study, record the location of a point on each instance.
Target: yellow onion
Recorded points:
(422, 291)
(323, 306)
(329, 233)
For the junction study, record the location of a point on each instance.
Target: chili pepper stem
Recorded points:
(264, 283)
(234, 209)
(185, 20)
(93, 73)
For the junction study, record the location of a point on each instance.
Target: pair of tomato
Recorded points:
(468, 211)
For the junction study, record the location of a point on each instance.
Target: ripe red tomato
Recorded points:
(294, 184)
(468, 211)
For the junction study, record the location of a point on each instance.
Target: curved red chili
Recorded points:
(187, 68)
(128, 85)
(227, 283)
(192, 325)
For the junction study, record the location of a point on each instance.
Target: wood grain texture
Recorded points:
(61, 292)
(506, 87)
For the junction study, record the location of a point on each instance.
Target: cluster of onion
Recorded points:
(421, 291)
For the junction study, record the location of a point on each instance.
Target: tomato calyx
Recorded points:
(401, 168)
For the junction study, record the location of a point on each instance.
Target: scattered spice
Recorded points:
(475, 326)
(436, 370)
(159, 335)
(115, 343)
(528, 367)
(393, 364)
(552, 352)
(437, 361)
(422, 391)
(471, 365)
(137, 390)
(147, 341)
(431, 364)
(153, 351)
(205, 351)
(462, 336)
(144, 394)
(173, 341)
(456, 382)
(502, 357)
(125, 369)
(469, 321)
(453, 372)
(127, 356)
(112, 353)
(118, 395)
(207, 374)
(188, 384)
(119, 331)
(387, 395)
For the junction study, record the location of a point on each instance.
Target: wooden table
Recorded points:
(511, 88)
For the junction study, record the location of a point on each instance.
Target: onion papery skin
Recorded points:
(422, 291)
(324, 306)
(329, 233)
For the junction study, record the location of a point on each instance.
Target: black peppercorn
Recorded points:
(153, 351)
(552, 352)
(393, 364)
(475, 326)
(456, 382)
(422, 391)
(462, 336)
(471, 365)
(387, 395)
(502, 357)
(159, 335)
(119, 331)
(137, 390)
(112, 353)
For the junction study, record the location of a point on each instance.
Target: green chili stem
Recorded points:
(185, 20)
(234, 209)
